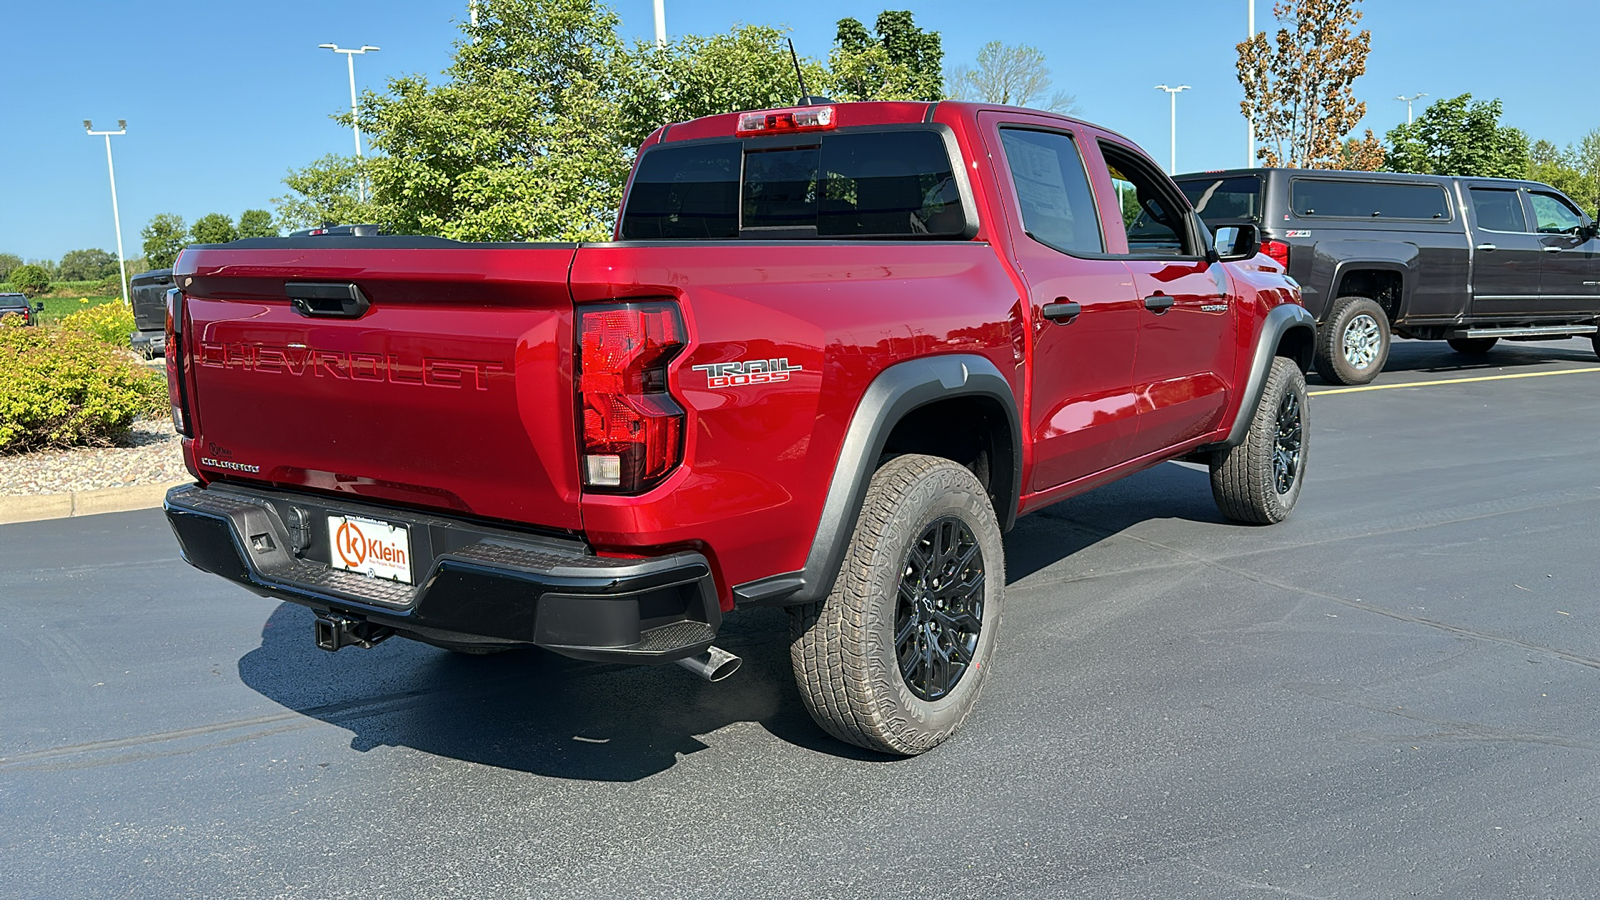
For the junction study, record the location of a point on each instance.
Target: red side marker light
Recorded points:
(800, 118)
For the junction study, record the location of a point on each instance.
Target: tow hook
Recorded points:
(335, 630)
(713, 665)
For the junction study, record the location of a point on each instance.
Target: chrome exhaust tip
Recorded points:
(713, 665)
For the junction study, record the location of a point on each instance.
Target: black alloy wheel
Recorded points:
(940, 610)
(1287, 443)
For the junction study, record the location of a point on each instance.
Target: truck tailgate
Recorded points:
(451, 391)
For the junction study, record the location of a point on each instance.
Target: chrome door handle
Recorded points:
(1486, 247)
(1158, 303)
(1062, 311)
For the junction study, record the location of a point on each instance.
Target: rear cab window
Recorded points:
(1320, 198)
(1498, 209)
(895, 183)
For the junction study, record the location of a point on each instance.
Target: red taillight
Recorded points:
(802, 118)
(177, 389)
(1279, 251)
(632, 428)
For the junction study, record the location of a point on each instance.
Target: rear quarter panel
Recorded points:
(758, 458)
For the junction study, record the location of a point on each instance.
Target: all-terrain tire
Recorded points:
(1353, 344)
(1259, 481)
(1472, 346)
(849, 651)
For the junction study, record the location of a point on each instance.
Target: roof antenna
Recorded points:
(805, 97)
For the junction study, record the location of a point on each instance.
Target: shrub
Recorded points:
(109, 323)
(61, 387)
(30, 279)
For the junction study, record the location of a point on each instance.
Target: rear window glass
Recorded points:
(10, 300)
(1368, 200)
(1236, 199)
(862, 184)
(1498, 210)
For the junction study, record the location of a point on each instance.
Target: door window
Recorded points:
(1053, 190)
(1555, 215)
(1498, 210)
(1152, 215)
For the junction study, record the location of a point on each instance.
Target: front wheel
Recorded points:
(1354, 343)
(894, 658)
(1259, 481)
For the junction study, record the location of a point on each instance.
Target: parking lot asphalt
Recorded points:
(1392, 694)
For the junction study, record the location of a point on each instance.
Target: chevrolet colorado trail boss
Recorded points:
(831, 355)
(1464, 260)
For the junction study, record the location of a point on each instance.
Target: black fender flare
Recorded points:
(896, 391)
(1279, 323)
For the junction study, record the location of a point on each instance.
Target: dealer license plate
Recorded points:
(370, 547)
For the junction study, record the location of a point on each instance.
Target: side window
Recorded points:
(1498, 210)
(1151, 215)
(1555, 215)
(1053, 190)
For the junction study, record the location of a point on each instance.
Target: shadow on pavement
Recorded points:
(534, 711)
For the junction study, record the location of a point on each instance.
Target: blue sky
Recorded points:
(222, 98)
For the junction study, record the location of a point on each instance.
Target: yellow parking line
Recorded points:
(1385, 387)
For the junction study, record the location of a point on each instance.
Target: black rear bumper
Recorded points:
(475, 585)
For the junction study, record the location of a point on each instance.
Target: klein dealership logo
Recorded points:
(747, 372)
(355, 548)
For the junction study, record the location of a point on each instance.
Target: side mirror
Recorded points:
(1235, 242)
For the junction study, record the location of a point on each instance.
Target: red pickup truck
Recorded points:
(833, 352)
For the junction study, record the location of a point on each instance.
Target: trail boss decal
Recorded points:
(750, 371)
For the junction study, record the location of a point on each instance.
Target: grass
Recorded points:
(57, 308)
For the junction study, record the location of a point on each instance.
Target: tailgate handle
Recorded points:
(330, 301)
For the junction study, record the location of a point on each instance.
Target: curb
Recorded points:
(38, 507)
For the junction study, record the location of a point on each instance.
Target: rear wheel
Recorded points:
(1472, 346)
(894, 658)
(1353, 345)
(1259, 481)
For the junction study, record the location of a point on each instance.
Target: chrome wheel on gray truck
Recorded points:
(1353, 344)
(1259, 481)
(894, 658)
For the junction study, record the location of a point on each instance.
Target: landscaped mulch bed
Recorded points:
(150, 455)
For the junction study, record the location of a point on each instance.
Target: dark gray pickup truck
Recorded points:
(1466, 260)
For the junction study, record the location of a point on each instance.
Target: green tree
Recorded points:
(30, 280)
(1013, 75)
(256, 223)
(163, 238)
(86, 265)
(523, 142)
(747, 68)
(898, 61)
(1297, 84)
(1459, 137)
(1574, 170)
(213, 228)
(8, 261)
(322, 193)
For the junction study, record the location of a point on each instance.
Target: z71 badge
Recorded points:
(750, 371)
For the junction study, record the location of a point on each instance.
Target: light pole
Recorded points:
(116, 217)
(1250, 123)
(1408, 101)
(355, 124)
(1172, 165)
(661, 23)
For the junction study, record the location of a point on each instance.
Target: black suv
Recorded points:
(1465, 260)
(17, 305)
